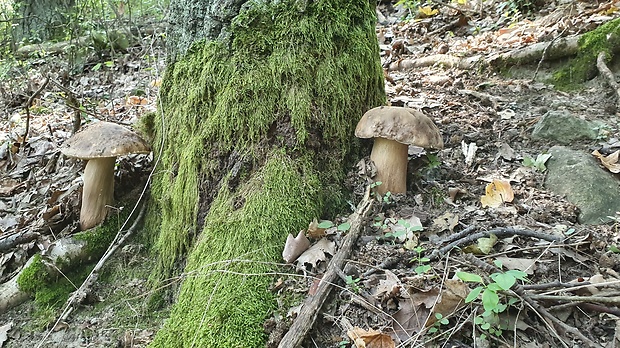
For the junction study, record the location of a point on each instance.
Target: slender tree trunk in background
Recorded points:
(259, 104)
(41, 20)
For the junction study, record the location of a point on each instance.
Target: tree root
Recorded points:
(609, 76)
(560, 48)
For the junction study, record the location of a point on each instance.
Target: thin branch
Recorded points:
(310, 310)
(608, 75)
(503, 231)
(28, 105)
(518, 289)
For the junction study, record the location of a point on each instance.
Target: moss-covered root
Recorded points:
(224, 299)
(605, 38)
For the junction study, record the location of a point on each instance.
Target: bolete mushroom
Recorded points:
(100, 144)
(394, 128)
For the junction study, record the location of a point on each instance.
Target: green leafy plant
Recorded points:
(492, 296)
(433, 161)
(353, 283)
(440, 321)
(422, 261)
(343, 227)
(538, 163)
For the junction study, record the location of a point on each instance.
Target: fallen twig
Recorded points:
(503, 231)
(27, 107)
(518, 289)
(598, 299)
(16, 239)
(306, 317)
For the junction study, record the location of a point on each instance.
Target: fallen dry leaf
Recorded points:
(522, 264)
(610, 162)
(497, 192)
(452, 298)
(314, 231)
(447, 221)
(388, 287)
(370, 339)
(316, 253)
(295, 247)
(135, 100)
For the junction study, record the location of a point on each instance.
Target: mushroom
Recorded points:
(100, 144)
(393, 128)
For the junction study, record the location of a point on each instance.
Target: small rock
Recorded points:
(584, 183)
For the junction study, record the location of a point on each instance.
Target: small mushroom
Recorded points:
(394, 128)
(100, 144)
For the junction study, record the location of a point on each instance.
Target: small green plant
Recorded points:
(440, 321)
(343, 227)
(395, 233)
(492, 303)
(422, 261)
(343, 343)
(433, 161)
(353, 283)
(538, 163)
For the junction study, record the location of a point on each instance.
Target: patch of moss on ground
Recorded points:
(98, 239)
(605, 38)
(49, 291)
(52, 289)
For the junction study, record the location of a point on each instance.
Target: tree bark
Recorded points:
(255, 134)
(41, 20)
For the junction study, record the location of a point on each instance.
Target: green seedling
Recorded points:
(492, 296)
(343, 227)
(353, 283)
(539, 163)
(422, 261)
(440, 321)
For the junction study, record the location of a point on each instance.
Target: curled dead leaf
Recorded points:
(610, 162)
(314, 231)
(370, 339)
(295, 247)
(497, 193)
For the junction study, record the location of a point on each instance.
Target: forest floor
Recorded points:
(393, 282)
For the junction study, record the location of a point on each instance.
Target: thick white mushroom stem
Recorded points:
(98, 191)
(390, 158)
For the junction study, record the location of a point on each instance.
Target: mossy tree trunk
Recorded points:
(259, 103)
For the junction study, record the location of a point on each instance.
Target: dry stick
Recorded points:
(533, 304)
(608, 75)
(28, 104)
(15, 239)
(598, 299)
(503, 231)
(80, 294)
(544, 54)
(73, 103)
(312, 304)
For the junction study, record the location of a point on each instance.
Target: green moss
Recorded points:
(49, 291)
(316, 70)
(282, 96)
(224, 297)
(583, 67)
(98, 239)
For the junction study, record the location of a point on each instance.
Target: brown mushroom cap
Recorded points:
(404, 125)
(104, 139)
